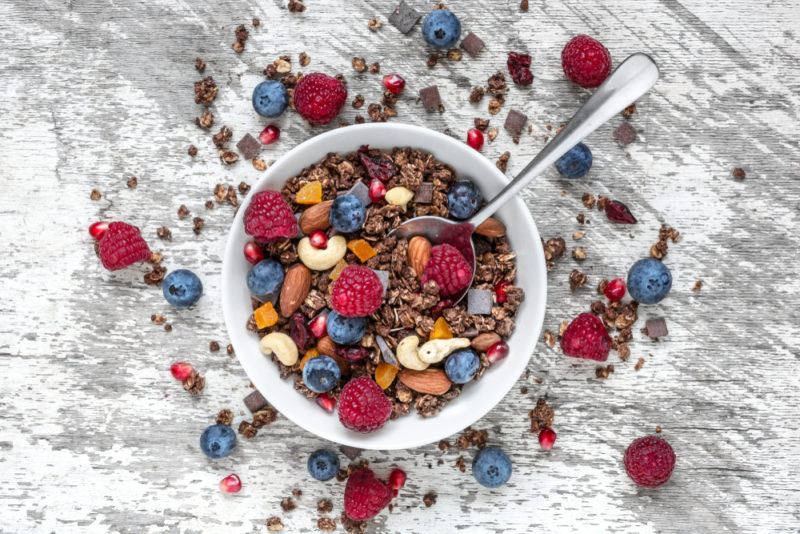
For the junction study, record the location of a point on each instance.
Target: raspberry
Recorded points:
(448, 268)
(365, 495)
(362, 405)
(319, 97)
(122, 245)
(269, 218)
(585, 61)
(586, 337)
(357, 292)
(519, 66)
(649, 461)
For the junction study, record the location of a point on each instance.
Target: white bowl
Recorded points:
(476, 398)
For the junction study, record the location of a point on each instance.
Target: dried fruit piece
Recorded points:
(441, 330)
(384, 374)
(311, 193)
(298, 331)
(618, 212)
(265, 316)
(377, 167)
(362, 249)
(337, 270)
(327, 402)
(310, 353)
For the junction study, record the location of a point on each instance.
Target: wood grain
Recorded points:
(95, 436)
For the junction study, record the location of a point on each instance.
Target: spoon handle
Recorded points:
(632, 79)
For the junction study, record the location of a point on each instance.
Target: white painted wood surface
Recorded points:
(95, 436)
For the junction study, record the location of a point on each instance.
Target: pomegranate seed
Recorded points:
(394, 83)
(181, 370)
(618, 212)
(327, 402)
(615, 290)
(98, 229)
(318, 325)
(475, 139)
(319, 239)
(230, 484)
(547, 438)
(269, 135)
(497, 352)
(500, 295)
(397, 479)
(252, 252)
(376, 190)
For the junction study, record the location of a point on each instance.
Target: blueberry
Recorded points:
(217, 441)
(463, 199)
(265, 279)
(182, 288)
(441, 28)
(649, 281)
(347, 214)
(270, 98)
(462, 365)
(575, 163)
(346, 330)
(321, 374)
(491, 467)
(323, 464)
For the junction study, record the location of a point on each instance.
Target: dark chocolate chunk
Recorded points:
(255, 402)
(625, 134)
(404, 17)
(424, 193)
(249, 146)
(431, 99)
(472, 44)
(351, 452)
(515, 122)
(655, 328)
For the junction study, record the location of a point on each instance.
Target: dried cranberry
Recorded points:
(519, 65)
(618, 212)
(353, 354)
(298, 331)
(377, 167)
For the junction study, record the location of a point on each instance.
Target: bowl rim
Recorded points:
(237, 332)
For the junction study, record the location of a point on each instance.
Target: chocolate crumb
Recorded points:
(326, 524)
(581, 218)
(481, 124)
(358, 102)
(658, 429)
(523, 6)
(588, 200)
(739, 173)
(132, 182)
(324, 506)
(288, 504)
(629, 111)
(624, 351)
(454, 54)
(375, 68)
(205, 91)
(639, 364)
(256, 22)
(197, 224)
(199, 64)
(429, 499)
(213, 346)
(491, 133)
(259, 164)
(541, 416)
(164, 233)
(502, 161)
(625, 134)
(374, 25)
(158, 319)
(168, 327)
(359, 64)
(304, 59)
(461, 464)
(579, 253)
(603, 372)
(225, 417)
(494, 106)
(472, 44)
(209, 205)
(192, 150)
(577, 279)
(297, 492)
(205, 120)
(549, 339)
(95, 194)
(195, 383)
(698, 285)
(296, 6)
(444, 445)
(274, 524)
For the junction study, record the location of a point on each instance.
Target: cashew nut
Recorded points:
(437, 350)
(322, 259)
(281, 346)
(399, 196)
(407, 354)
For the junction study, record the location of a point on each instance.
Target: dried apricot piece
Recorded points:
(441, 330)
(265, 316)
(362, 249)
(337, 270)
(384, 374)
(311, 193)
(310, 353)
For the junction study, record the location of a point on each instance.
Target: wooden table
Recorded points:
(95, 436)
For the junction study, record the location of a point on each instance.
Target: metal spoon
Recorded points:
(632, 79)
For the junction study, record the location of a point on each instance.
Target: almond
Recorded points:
(419, 252)
(430, 381)
(326, 346)
(316, 217)
(491, 227)
(296, 285)
(482, 342)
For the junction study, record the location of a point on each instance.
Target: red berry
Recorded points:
(98, 229)
(318, 325)
(357, 292)
(547, 438)
(475, 139)
(397, 479)
(326, 401)
(649, 461)
(269, 218)
(252, 252)
(181, 370)
(298, 331)
(230, 484)
(122, 245)
(365, 495)
(439, 308)
(500, 295)
(394, 83)
(497, 352)
(353, 354)
(586, 337)
(519, 65)
(318, 239)
(378, 167)
(618, 212)
(269, 135)
(363, 406)
(448, 268)
(376, 190)
(319, 97)
(586, 61)
(615, 290)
